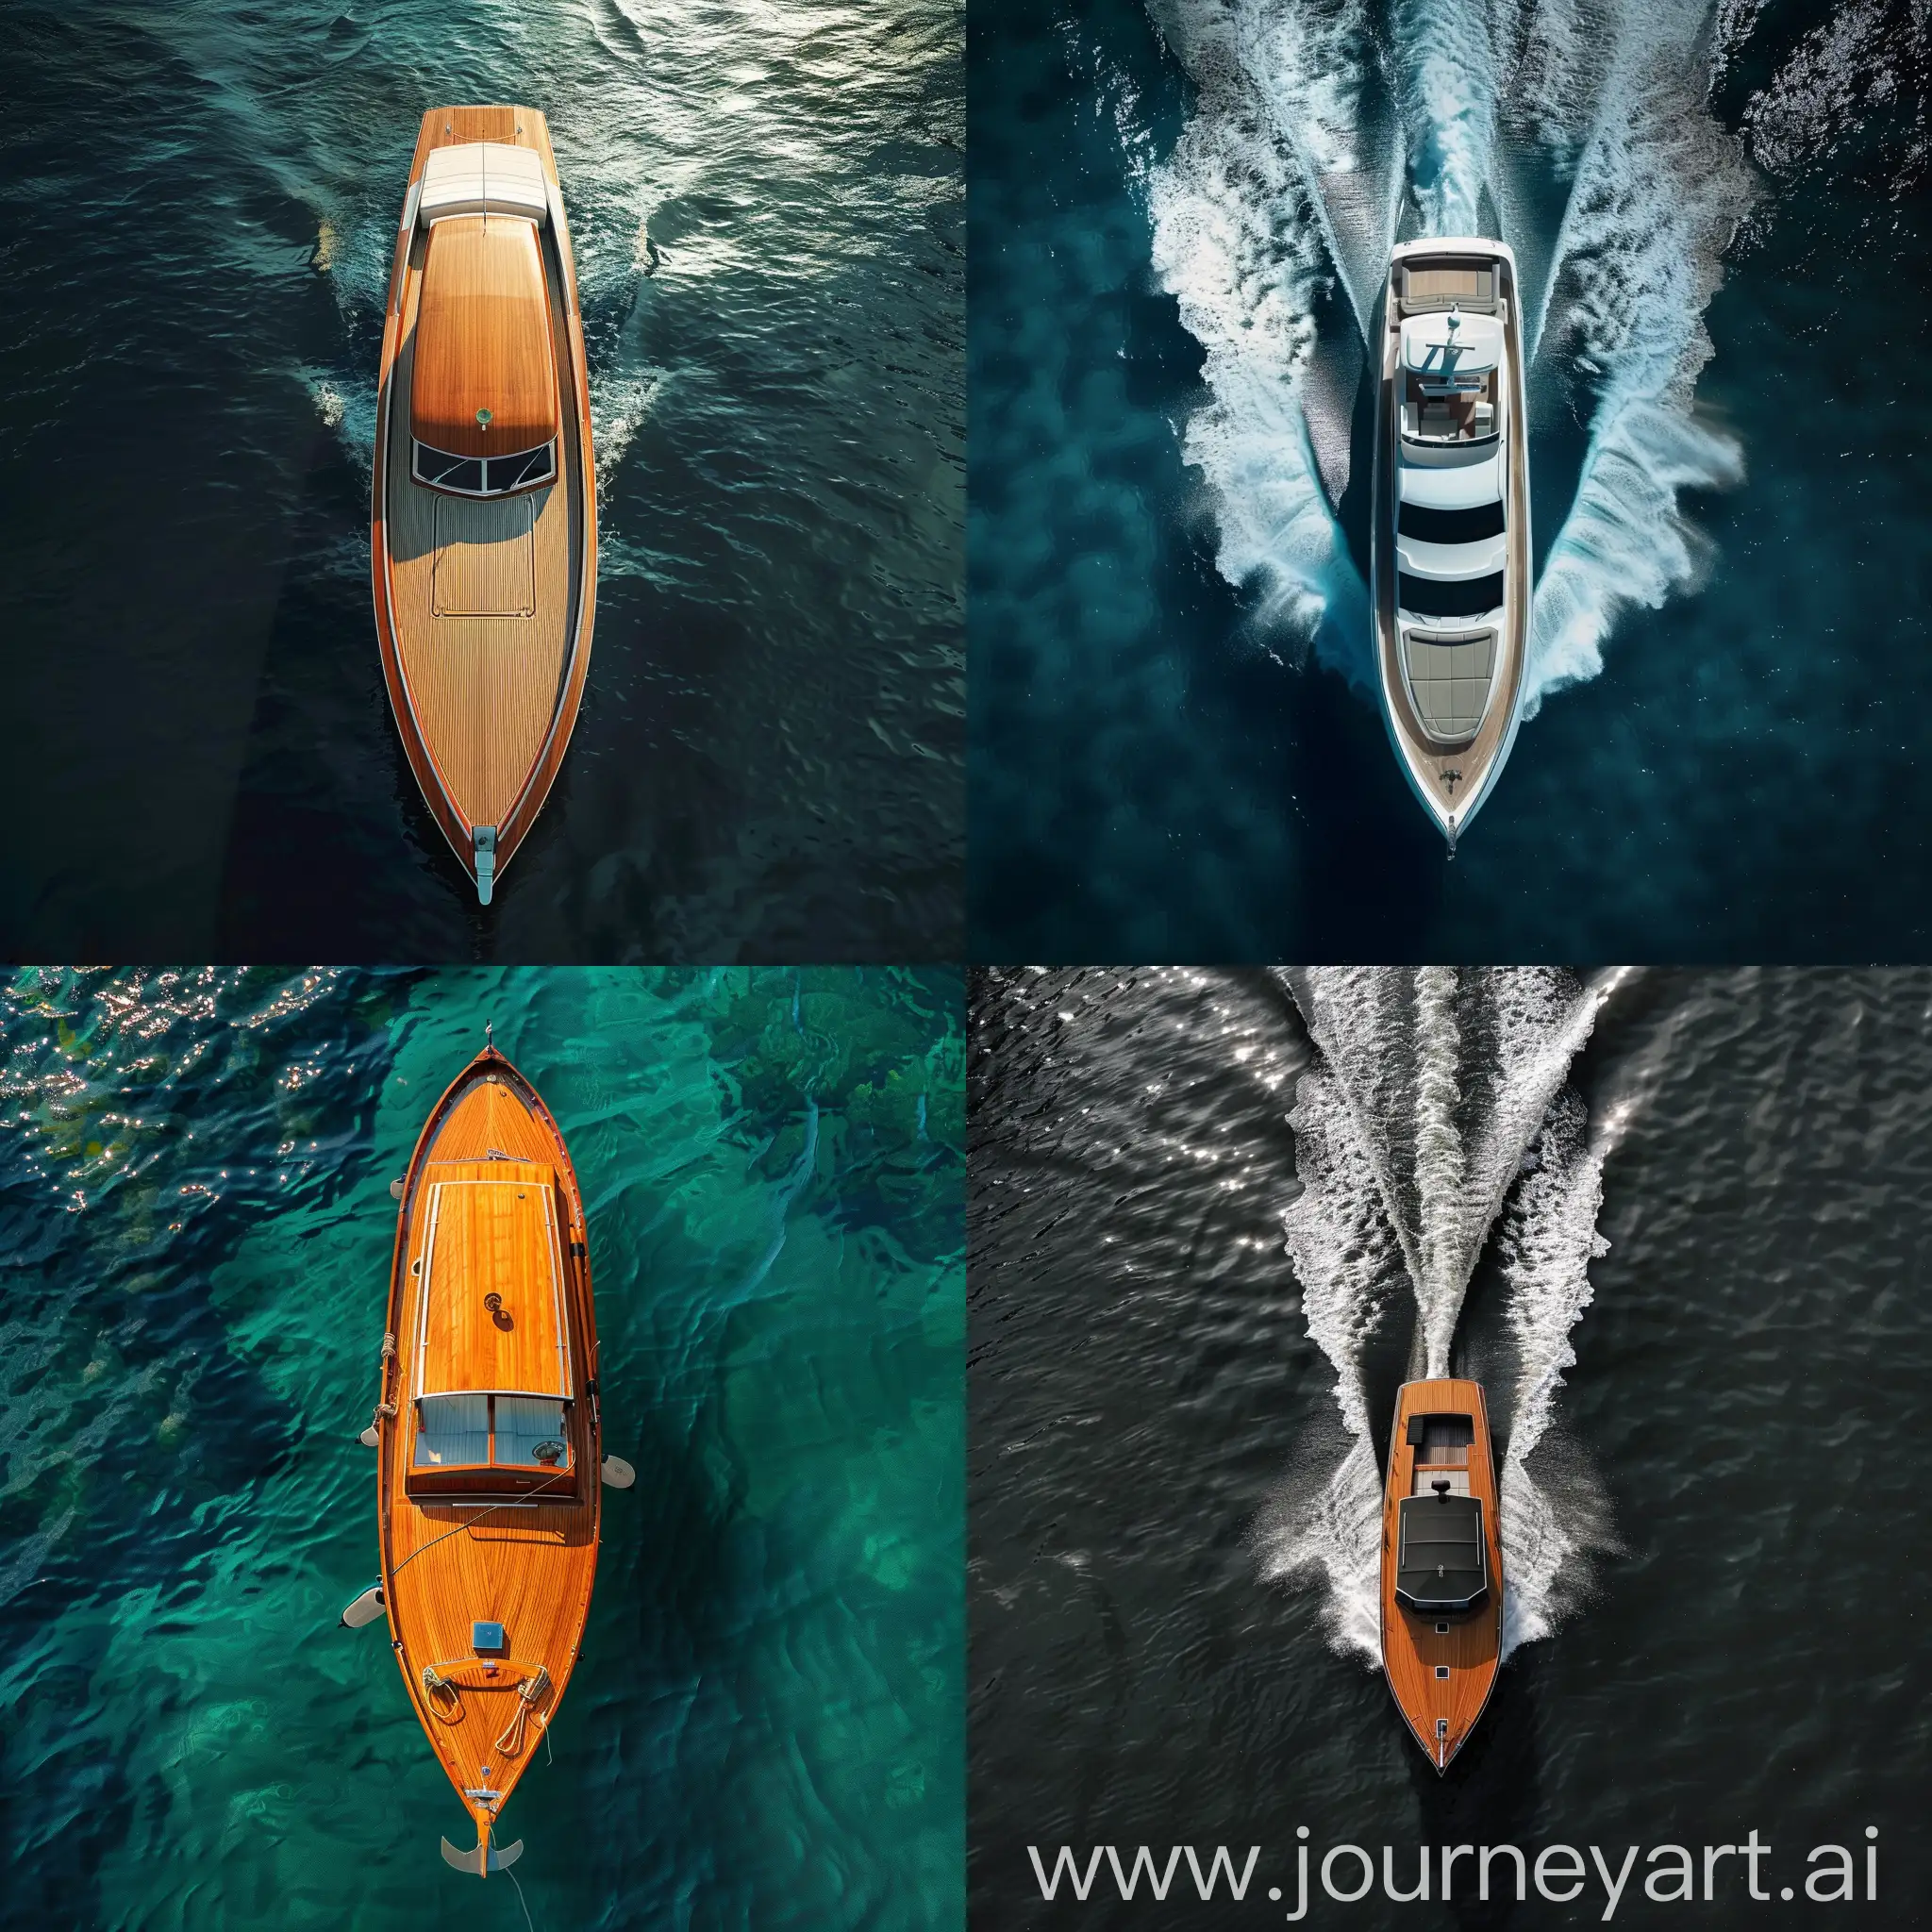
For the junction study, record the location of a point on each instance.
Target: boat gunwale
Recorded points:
(437, 792)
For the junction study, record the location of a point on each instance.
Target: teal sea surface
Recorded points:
(767, 1727)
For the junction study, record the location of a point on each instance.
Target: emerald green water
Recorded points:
(767, 1727)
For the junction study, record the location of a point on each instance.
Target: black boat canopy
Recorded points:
(1443, 1561)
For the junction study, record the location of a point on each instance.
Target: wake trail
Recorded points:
(1438, 1111)
(1318, 135)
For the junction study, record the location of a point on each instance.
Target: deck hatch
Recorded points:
(486, 559)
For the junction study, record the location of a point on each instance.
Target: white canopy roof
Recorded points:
(1450, 563)
(1448, 344)
(1452, 486)
(483, 177)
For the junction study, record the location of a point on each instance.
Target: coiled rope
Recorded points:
(435, 1682)
(384, 1410)
(511, 1741)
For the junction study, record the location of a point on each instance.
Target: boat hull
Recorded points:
(484, 607)
(1453, 780)
(525, 1563)
(1442, 1667)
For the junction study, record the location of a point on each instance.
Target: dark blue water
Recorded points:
(1175, 751)
(199, 199)
(1674, 1222)
(766, 1727)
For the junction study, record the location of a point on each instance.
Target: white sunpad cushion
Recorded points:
(483, 177)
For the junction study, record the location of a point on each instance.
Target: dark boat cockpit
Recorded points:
(1441, 1567)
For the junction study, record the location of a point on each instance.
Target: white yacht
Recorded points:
(1450, 538)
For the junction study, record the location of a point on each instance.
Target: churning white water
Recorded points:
(1437, 1122)
(1579, 132)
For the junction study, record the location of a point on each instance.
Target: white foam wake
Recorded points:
(1657, 189)
(1274, 203)
(1438, 1111)
(1314, 141)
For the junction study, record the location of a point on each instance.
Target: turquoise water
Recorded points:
(767, 1727)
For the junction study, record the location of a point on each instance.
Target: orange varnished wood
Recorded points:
(526, 1564)
(1413, 1647)
(483, 338)
(495, 1234)
(484, 613)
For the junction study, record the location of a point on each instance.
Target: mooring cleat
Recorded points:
(484, 844)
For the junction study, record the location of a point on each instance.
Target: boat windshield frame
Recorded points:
(1422, 442)
(1463, 1506)
(494, 1475)
(483, 467)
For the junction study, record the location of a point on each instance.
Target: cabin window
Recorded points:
(484, 475)
(492, 1431)
(1424, 597)
(1471, 526)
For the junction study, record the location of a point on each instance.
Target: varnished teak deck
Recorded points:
(449, 1563)
(484, 607)
(1415, 1647)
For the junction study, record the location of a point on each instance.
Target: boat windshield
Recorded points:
(482, 1432)
(440, 468)
(1470, 525)
(1442, 1564)
(1426, 598)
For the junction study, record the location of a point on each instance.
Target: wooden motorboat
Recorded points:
(1441, 1564)
(490, 1438)
(1449, 534)
(484, 519)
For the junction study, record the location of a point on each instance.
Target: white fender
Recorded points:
(365, 1609)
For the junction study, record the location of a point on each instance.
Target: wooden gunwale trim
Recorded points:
(430, 779)
(574, 1242)
(1491, 737)
(549, 759)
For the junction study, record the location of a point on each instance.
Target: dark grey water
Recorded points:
(198, 201)
(1716, 1605)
